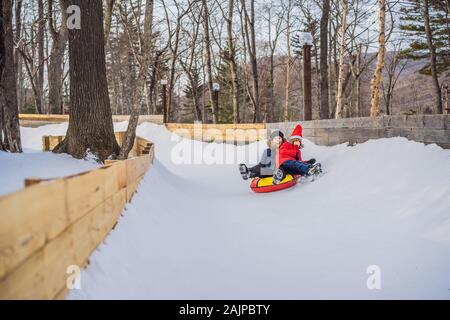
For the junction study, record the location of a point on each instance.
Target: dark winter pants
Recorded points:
(259, 171)
(295, 167)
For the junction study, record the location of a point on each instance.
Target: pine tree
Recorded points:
(226, 90)
(224, 78)
(414, 26)
(193, 92)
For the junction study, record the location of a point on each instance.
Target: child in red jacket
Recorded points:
(290, 160)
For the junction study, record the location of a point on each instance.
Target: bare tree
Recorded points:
(274, 33)
(173, 44)
(206, 38)
(232, 61)
(142, 54)
(324, 111)
(9, 118)
(55, 71)
(394, 67)
(378, 75)
(250, 39)
(41, 57)
(17, 56)
(109, 8)
(30, 42)
(343, 29)
(190, 60)
(289, 60)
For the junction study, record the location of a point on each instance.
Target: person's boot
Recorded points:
(244, 171)
(315, 169)
(278, 176)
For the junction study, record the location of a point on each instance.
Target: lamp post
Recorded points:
(164, 99)
(306, 40)
(216, 90)
(446, 106)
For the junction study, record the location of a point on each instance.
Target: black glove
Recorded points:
(312, 161)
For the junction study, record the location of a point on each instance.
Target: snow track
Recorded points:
(197, 231)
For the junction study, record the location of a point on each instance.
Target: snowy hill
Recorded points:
(197, 231)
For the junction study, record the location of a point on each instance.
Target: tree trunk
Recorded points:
(232, 61)
(145, 54)
(17, 56)
(172, 73)
(287, 83)
(207, 41)
(108, 18)
(254, 63)
(331, 90)
(358, 82)
(249, 46)
(433, 59)
(324, 112)
(9, 114)
(378, 75)
(40, 43)
(272, 88)
(90, 123)
(55, 70)
(339, 92)
(447, 19)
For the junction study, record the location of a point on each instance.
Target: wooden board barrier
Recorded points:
(59, 118)
(53, 224)
(228, 133)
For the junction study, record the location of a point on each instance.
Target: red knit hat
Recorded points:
(297, 133)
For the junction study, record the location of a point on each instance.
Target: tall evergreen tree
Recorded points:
(225, 79)
(427, 21)
(413, 24)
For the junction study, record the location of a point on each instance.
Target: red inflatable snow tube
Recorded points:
(265, 185)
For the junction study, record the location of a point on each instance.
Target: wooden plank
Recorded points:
(221, 132)
(44, 274)
(27, 281)
(132, 188)
(84, 193)
(136, 167)
(121, 172)
(33, 181)
(113, 208)
(111, 180)
(216, 126)
(28, 219)
(59, 254)
(65, 118)
(50, 142)
(44, 117)
(45, 143)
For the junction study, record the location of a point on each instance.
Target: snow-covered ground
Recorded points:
(34, 163)
(197, 231)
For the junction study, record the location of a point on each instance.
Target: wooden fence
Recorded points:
(228, 133)
(35, 120)
(51, 225)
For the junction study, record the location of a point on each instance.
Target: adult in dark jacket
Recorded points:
(267, 165)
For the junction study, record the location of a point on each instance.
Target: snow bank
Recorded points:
(34, 163)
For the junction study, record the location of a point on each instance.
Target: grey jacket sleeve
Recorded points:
(265, 159)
